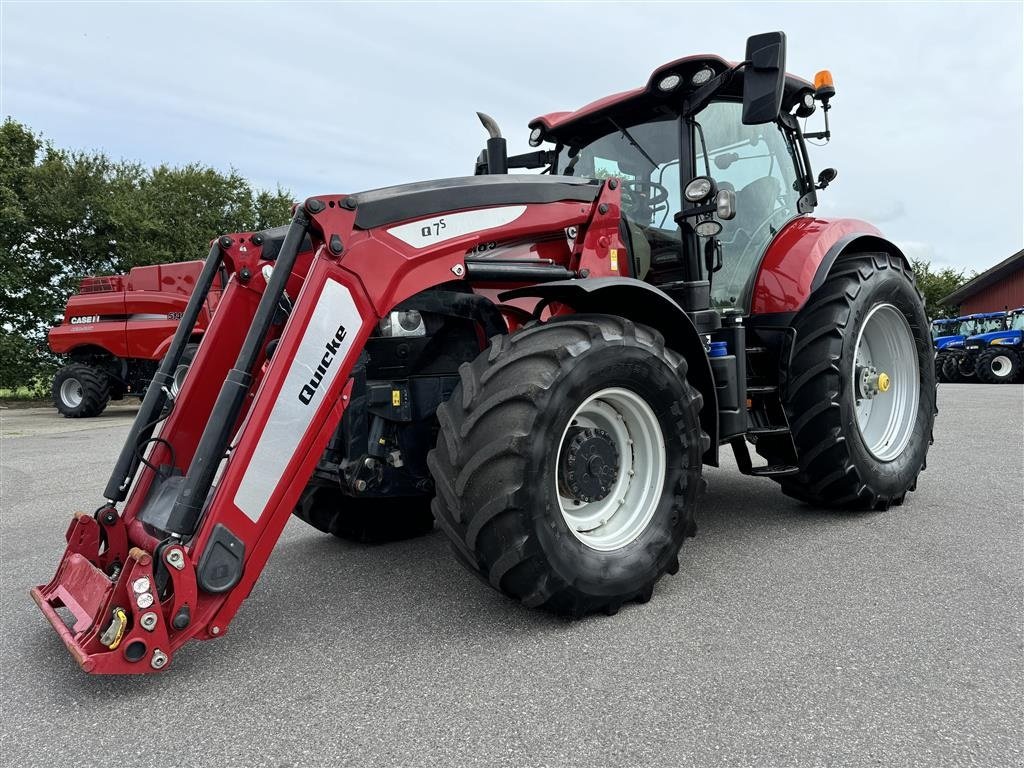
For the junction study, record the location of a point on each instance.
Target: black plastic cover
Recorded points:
(764, 78)
(220, 566)
(378, 207)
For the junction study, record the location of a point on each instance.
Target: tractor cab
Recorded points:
(993, 328)
(950, 333)
(943, 327)
(712, 164)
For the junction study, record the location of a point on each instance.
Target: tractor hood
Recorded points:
(378, 207)
(941, 342)
(995, 338)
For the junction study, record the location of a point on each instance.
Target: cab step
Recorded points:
(762, 389)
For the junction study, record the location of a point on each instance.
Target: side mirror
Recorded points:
(764, 77)
(826, 177)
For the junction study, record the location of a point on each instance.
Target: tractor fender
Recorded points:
(642, 303)
(802, 254)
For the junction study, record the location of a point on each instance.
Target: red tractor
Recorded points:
(116, 329)
(546, 360)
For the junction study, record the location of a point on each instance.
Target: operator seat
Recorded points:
(756, 201)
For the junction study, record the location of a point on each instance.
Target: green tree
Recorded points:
(65, 215)
(936, 285)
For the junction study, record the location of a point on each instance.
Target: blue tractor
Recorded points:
(999, 355)
(944, 332)
(958, 362)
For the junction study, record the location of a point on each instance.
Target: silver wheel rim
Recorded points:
(618, 518)
(178, 380)
(71, 393)
(1001, 366)
(886, 417)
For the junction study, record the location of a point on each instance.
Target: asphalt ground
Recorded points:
(790, 636)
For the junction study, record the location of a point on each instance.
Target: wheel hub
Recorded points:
(589, 464)
(871, 381)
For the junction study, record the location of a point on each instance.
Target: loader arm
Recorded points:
(265, 394)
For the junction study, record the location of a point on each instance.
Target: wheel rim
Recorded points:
(886, 382)
(1001, 366)
(71, 392)
(621, 425)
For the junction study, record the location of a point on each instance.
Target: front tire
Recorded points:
(998, 366)
(861, 440)
(568, 466)
(80, 391)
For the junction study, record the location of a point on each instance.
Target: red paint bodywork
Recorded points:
(137, 311)
(787, 270)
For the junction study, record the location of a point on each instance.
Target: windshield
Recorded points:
(646, 154)
(976, 325)
(1017, 321)
(943, 329)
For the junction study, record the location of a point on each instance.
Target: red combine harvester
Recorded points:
(550, 358)
(116, 329)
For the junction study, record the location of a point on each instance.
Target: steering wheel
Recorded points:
(648, 193)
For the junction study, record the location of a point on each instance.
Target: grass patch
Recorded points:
(24, 393)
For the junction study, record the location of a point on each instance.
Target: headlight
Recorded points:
(697, 189)
(668, 83)
(536, 136)
(708, 228)
(701, 76)
(403, 323)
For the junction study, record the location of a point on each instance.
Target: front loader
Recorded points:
(546, 360)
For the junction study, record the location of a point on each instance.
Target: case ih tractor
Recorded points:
(116, 329)
(550, 358)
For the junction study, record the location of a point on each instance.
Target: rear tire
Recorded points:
(851, 455)
(365, 519)
(80, 391)
(568, 466)
(998, 366)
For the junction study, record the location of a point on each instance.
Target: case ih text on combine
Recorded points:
(549, 360)
(116, 329)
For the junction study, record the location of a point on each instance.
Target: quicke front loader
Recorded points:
(542, 363)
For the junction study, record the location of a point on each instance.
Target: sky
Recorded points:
(927, 123)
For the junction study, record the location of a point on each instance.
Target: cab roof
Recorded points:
(641, 102)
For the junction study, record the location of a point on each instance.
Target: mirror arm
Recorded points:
(699, 210)
(826, 134)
